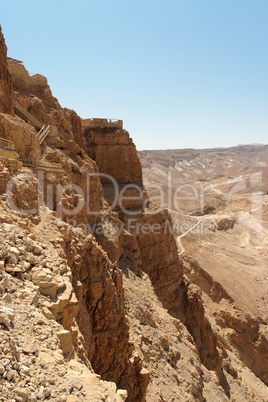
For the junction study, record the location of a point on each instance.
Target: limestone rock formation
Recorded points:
(22, 135)
(159, 254)
(6, 103)
(122, 162)
(116, 156)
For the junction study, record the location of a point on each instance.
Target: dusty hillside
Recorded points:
(219, 204)
(95, 301)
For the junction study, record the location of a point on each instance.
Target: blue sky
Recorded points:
(180, 73)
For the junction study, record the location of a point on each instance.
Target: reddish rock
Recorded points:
(115, 154)
(159, 254)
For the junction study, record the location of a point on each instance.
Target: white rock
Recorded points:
(6, 362)
(40, 394)
(10, 375)
(37, 249)
(6, 316)
(122, 393)
(7, 298)
(2, 368)
(22, 392)
(24, 369)
(14, 251)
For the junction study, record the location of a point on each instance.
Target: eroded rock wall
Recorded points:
(153, 231)
(6, 103)
(93, 304)
(114, 152)
(22, 135)
(159, 254)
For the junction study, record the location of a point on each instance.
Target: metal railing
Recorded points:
(43, 165)
(49, 165)
(105, 122)
(43, 133)
(6, 144)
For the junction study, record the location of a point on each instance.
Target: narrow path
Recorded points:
(182, 249)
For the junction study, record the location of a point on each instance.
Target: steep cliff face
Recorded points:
(23, 137)
(192, 314)
(159, 254)
(114, 151)
(116, 156)
(34, 95)
(101, 317)
(151, 227)
(93, 304)
(6, 104)
(153, 231)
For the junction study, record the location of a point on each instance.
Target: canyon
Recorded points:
(108, 291)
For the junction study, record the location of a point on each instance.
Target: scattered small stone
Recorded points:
(6, 316)
(29, 349)
(2, 368)
(7, 298)
(22, 393)
(65, 338)
(10, 375)
(37, 250)
(24, 369)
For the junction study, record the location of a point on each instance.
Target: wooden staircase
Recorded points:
(30, 118)
(43, 131)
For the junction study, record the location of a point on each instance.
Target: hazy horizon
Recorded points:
(203, 149)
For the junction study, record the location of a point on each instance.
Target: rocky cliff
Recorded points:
(6, 104)
(12, 128)
(94, 304)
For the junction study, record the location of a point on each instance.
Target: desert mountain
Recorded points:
(101, 299)
(218, 199)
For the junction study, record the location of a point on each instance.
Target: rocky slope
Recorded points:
(218, 200)
(94, 301)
